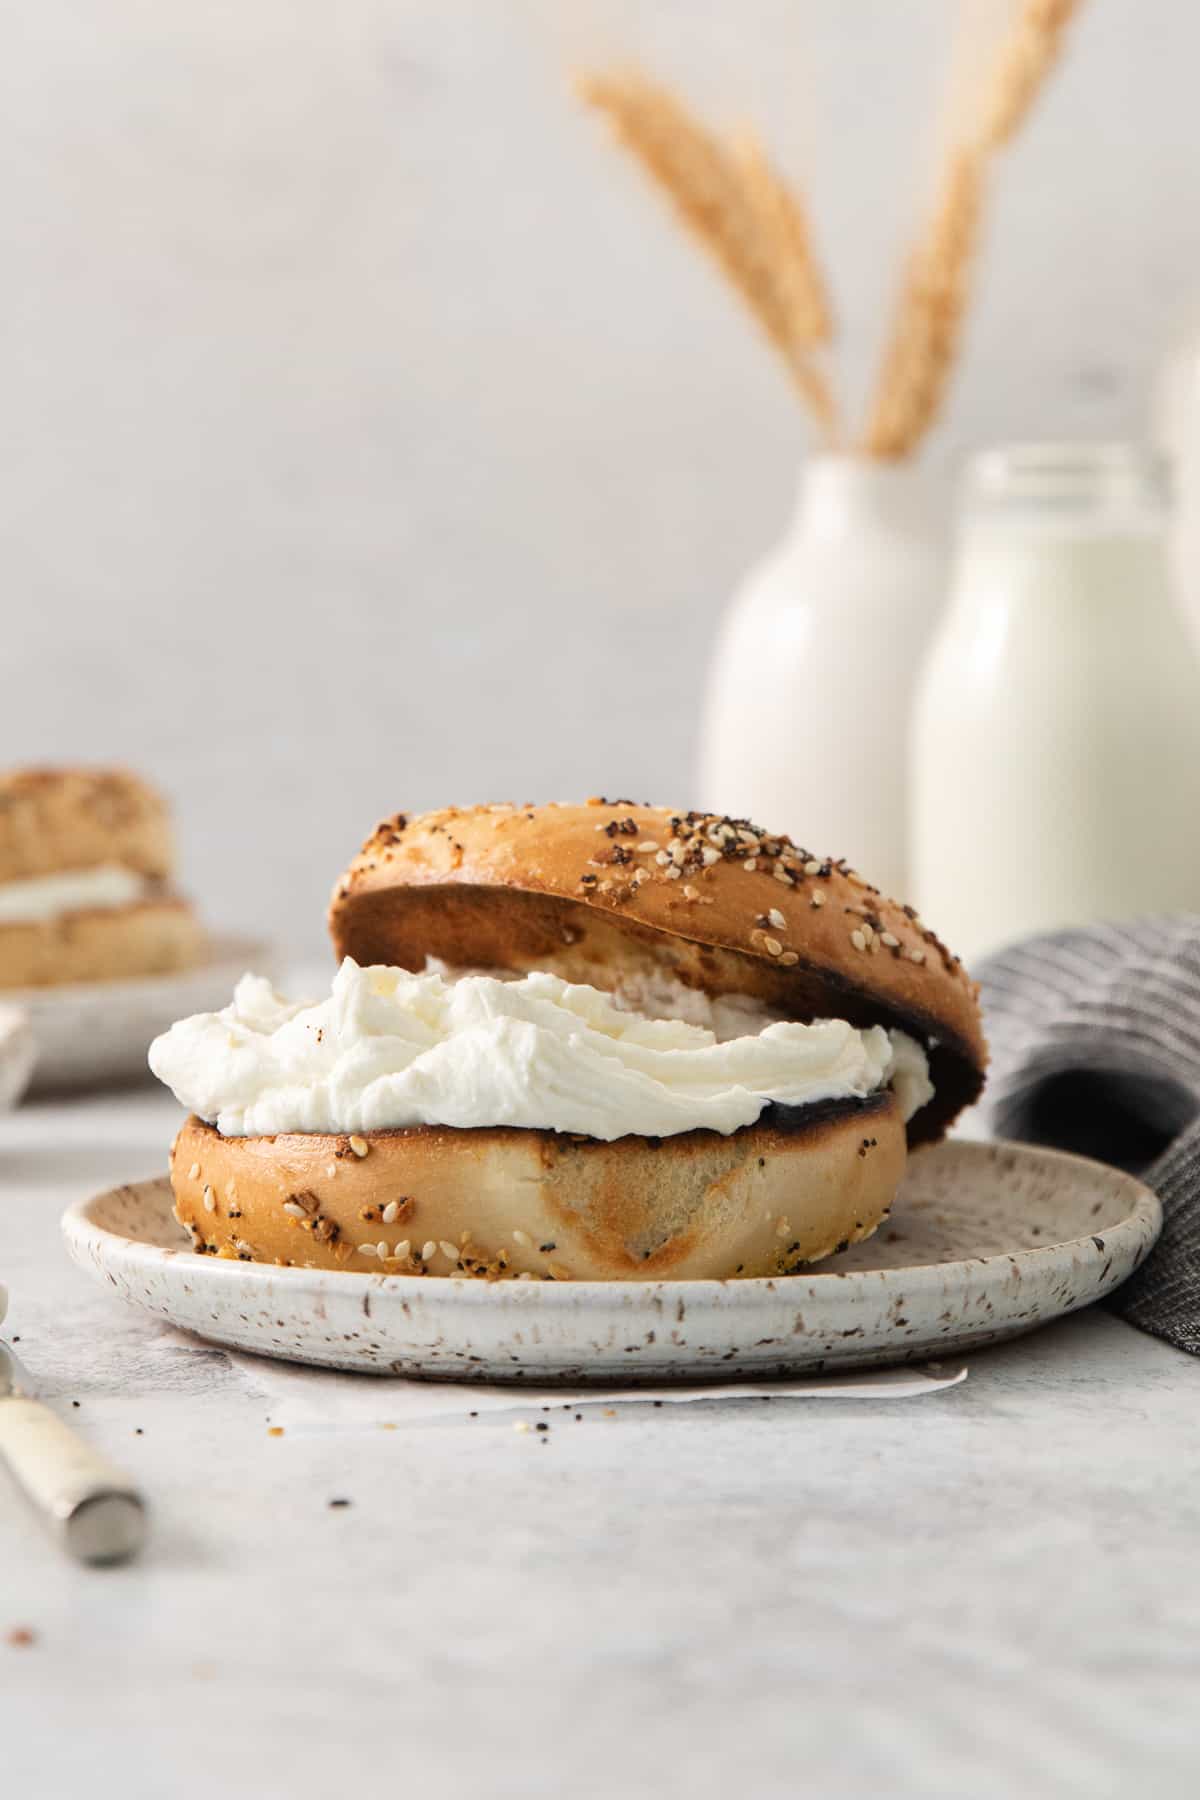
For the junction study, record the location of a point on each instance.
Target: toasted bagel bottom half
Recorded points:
(158, 936)
(500, 1203)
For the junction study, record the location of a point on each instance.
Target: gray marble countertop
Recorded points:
(994, 1590)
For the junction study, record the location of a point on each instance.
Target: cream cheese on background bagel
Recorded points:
(694, 1049)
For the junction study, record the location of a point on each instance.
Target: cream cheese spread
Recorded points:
(42, 897)
(390, 1049)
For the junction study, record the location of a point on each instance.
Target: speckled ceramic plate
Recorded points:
(986, 1240)
(98, 1032)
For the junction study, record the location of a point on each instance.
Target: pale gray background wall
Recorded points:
(369, 439)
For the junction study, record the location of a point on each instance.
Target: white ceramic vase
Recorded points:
(812, 676)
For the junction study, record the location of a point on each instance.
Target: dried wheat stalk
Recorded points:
(753, 225)
(1026, 58)
(787, 244)
(922, 348)
(739, 210)
(920, 355)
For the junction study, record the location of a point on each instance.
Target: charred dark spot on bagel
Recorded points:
(797, 1120)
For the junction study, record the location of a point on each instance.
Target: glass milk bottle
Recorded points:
(812, 675)
(1177, 430)
(1056, 736)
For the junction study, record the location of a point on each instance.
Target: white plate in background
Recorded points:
(97, 1033)
(986, 1241)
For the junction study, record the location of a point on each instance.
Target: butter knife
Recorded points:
(91, 1507)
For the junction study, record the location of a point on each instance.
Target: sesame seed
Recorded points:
(367, 1250)
(648, 844)
(526, 1275)
(674, 873)
(818, 898)
(390, 1212)
(448, 1249)
(522, 1425)
(918, 956)
(812, 866)
(777, 919)
(789, 958)
(194, 1172)
(559, 1272)
(888, 938)
(869, 933)
(772, 946)
(381, 1249)
(331, 1170)
(751, 863)
(293, 1211)
(523, 1238)
(689, 892)
(359, 1146)
(404, 1248)
(428, 1251)
(210, 1204)
(662, 859)
(781, 874)
(858, 940)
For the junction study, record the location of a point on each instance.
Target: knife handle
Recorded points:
(90, 1506)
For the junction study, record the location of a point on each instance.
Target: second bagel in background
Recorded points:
(87, 859)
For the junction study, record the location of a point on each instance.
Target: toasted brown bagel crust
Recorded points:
(55, 820)
(501, 1202)
(592, 892)
(150, 937)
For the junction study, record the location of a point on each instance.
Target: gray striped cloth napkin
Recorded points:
(1095, 1040)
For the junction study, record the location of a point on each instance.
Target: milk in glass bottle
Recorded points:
(1056, 736)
